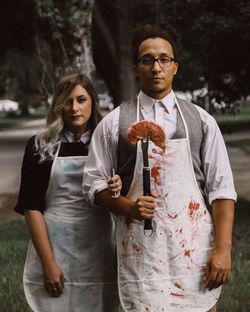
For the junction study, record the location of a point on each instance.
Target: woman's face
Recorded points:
(77, 110)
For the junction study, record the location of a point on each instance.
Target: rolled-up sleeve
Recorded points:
(219, 183)
(102, 157)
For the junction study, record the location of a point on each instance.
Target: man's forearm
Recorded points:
(119, 206)
(223, 215)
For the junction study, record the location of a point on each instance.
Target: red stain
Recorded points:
(155, 174)
(205, 212)
(181, 230)
(192, 207)
(136, 247)
(178, 286)
(173, 216)
(187, 253)
(176, 256)
(177, 295)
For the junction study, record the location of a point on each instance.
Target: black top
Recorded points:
(35, 176)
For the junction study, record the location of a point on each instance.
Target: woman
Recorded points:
(70, 264)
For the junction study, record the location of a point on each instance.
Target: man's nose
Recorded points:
(156, 67)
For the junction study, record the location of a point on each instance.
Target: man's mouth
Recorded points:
(156, 78)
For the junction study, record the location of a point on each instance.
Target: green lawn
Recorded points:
(229, 123)
(13, 244)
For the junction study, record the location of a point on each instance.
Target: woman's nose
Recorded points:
(75, 105)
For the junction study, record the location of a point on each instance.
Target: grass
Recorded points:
(13, 246)
(229, 123)
(242, 116)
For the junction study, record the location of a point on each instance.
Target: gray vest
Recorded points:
(127, 152)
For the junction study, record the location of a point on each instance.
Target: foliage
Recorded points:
(53, 38)
(50, 37)
(215, 42)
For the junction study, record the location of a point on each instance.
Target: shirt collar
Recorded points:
(69, 136)
(147, 102)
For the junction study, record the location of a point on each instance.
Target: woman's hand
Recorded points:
(114, 186)
(53, 279)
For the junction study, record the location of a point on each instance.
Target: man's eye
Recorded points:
(147, 60)
(164, 59)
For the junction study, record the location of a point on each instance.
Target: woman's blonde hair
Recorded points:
(48, 139)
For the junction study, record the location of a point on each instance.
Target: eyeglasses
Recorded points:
(149, 60)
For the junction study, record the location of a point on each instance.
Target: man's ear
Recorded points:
(176, 66)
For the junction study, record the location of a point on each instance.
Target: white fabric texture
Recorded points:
(83, 243)
(216, 167)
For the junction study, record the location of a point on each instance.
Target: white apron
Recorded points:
(164, 272)
(82, 239)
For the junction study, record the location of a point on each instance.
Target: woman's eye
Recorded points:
(81, 100)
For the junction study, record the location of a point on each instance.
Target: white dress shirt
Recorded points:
(103, 148)
(69, 137)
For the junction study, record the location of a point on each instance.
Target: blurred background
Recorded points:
(44, 39)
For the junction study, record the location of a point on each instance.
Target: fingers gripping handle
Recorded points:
(147, 192)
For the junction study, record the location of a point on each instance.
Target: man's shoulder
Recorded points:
(131, 101)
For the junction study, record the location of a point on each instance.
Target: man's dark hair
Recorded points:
(163, 30)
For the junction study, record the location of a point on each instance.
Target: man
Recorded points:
(182, 265)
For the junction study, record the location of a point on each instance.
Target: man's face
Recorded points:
(156, 80)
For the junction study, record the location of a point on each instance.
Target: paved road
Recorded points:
(12, 145)
(13, 141)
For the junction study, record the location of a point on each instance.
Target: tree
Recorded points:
(215, 41)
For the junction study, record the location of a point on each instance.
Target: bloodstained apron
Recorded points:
(82, 239)
(164, 272)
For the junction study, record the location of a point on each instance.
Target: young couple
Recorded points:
(71, 262)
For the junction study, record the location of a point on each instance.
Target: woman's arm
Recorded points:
(53, 275)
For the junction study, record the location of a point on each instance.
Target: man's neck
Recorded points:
(156, 95)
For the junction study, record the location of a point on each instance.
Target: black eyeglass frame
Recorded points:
(156, 59)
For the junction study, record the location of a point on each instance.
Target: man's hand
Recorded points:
(218, 268)
(114, 186)
(144, 207)
(53, 279)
